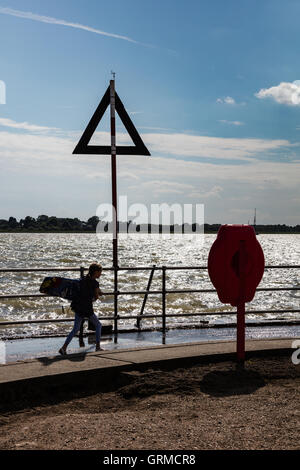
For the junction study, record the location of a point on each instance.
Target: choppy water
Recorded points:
(73, 250)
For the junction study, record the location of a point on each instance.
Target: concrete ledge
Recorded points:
(90, 370)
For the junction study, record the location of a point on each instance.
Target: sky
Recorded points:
(212, 87)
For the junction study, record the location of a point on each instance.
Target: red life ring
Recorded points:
(223, 263)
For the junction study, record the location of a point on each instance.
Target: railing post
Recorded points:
(164, 304)
(138, 320)
(116, 304)
(81, 342)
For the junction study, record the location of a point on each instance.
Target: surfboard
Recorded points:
(60, 287)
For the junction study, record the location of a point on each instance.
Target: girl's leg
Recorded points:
(93, 319)
(81, 342)
(77, 323)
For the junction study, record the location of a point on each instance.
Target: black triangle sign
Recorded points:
(83, 146)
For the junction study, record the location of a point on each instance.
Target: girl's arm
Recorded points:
(97, 293)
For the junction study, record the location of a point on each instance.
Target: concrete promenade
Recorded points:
(61, 370)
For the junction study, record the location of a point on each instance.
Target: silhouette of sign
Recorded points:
(83, 146)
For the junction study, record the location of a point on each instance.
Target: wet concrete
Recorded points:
(30, 348)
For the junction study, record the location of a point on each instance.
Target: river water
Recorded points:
(29, 250)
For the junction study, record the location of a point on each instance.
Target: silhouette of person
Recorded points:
(82, 305)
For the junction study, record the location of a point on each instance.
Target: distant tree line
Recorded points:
(44, 223)
(279, 228)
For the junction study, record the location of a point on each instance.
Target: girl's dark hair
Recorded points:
(94, 267)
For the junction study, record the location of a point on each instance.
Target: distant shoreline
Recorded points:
(206, 232)
(52, 224)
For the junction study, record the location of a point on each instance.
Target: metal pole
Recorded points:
(81, 342)
(114, 201)
(164, 305)
(240, 341)
(114, 172)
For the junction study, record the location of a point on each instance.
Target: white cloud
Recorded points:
(227, 100)
(284, 93)
(52, 153)
(233, 123)
(55, 141)
(48, 143)
(47, 19)
(163, 186)
(37, 160)
(25, 126)
(212, 192)
(39, 145)
(156, 128)
(259, 174)
(185, 145)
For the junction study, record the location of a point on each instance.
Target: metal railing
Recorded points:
(163, 292)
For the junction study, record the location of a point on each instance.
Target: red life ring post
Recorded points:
(240, 321)
(236, 266)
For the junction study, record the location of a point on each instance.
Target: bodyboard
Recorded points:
(60, 287)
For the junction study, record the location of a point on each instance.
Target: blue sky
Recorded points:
(211, 86)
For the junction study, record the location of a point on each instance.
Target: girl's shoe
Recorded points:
(62, 352)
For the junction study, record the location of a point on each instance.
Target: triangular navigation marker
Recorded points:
(83, 147)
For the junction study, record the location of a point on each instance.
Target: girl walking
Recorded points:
(82, 305)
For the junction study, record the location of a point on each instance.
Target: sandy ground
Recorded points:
(208, 406)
